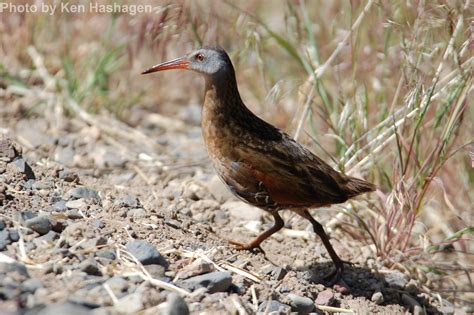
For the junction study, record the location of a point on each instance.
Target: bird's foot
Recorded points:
(246, 246)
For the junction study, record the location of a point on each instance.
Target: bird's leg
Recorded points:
(259, 239)
(319, 230)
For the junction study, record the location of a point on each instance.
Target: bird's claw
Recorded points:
(243, 246)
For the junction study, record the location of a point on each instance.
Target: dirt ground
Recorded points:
(69, 225)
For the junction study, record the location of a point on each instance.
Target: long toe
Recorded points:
(243, 246)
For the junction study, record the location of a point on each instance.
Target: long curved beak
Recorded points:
(178, 63)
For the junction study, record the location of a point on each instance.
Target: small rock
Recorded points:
(24, 168)
(14, 269)
(4, 239)
(138, 213)
(409, 301)
(39, 185)
(74, 214)
(48, 237)
(300, 304)
(205, 204)
(279, 273)
(67, 176)
(198, 267)
(146, 253)
(60, 205)
(127, 201)
(64, 308)
(25, 215)
(117, 284)
(325, 297)
(396, 279)
(97, 224)
(268, 307)
(156, 271)
(76, 204)
(2, 224)
(131, 303)
(217, 281)
(40, 224)
(14, 235)
(377, 298)
(90, 267)
(81, 192)
(106, 254)
(175, 305)
(31, 285)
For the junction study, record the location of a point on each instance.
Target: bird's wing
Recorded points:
(288, 174)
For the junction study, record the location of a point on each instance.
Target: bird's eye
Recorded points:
(200, 57)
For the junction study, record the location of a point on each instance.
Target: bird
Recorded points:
(261, 164)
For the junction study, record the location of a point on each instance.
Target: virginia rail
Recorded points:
(260, 163)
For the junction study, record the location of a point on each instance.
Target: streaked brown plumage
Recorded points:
(261, 164)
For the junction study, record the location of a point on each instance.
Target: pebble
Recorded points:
(127, 201)
(81, 192)
(156, 271)
(31, 285)
(67, 176)
(117, 284)
(108, 254)
(279, 273)
(301, 304)
(217, 281)
(39, 185)
(325, 297)
(146, 253)
(131, 303)
(60, 205)
(274, 306)
(4, 239)
(396, 279)
(64, 308)
(377, 298)
(74, 214)
(40, 224)
(198, 267)
(24, 168)
(2, 224)
(90, 267)
(138, 213)
(97, 224)
(48, 237)
(13, 268)
(175, 305)
(76, 204)
(203, 205)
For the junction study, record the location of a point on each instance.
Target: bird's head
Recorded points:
(209, 61)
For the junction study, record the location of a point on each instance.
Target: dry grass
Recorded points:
(382, 89)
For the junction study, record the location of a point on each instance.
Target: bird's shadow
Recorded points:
(362, 282)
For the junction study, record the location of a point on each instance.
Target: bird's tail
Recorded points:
(356, 186)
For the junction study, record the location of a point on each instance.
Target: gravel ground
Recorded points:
(92, 223)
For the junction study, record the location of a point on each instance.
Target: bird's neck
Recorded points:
(222, 96)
